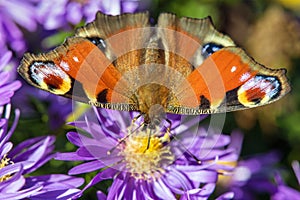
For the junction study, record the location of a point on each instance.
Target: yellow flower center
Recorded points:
(4, 162)
(146, 154)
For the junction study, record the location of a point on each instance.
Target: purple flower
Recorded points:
(15, 14)
(7, 86)
(25, 158)
(146, 163)
(58, 13)
(253, 176)
(285, 192)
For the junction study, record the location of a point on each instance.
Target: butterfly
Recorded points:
(180, 65)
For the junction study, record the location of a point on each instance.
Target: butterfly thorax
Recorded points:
(151, 100)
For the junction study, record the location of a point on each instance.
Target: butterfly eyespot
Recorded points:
(99, 42)
(47, 76)
(210, 48)
(259, 90)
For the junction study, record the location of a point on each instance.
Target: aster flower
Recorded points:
(25, 158)
(146, 163)
(255, 176)
(15, 14)
(252, 176)
(7, 86)
(58, 13)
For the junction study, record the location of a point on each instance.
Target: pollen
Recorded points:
(4, 162)
(146, 154)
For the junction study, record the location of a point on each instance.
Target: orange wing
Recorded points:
(70, 71)
(230, 80)
(184, 64)
(219, 76)
(86, 67)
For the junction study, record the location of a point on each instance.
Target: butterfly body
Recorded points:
(181, 65)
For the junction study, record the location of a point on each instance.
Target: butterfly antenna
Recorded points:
(124, 138)
(178, 140)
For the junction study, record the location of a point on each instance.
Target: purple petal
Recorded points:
(74, 14)
(55, 186)
(15, 182)
(27, 19)
(101, 195)
(112, 7)
(74, 138)
(51, 14)
(56, 194)
(5, 149)
(296, 168)
(129, 6)
(71, 156)
(147, 190)
(55, 181)
(86, 167)
(19, 149)
(4, 60)
(13, 126)
(285, 192)
(36, 153)
(90, 10)
(39, 163)
(226, 196)
(178, 182)
(162, 191)
(204, 176)
(23, 194)
(115, 188)
(94, 181)
(82, 140)
(207, 189)
(100, 153)
(12, 29)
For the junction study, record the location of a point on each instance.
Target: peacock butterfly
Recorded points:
(181, 65)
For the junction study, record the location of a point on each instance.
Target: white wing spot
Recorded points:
(75, 59)
(245, 77)
(233, 68)
(65, 65)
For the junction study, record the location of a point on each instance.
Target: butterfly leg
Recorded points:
(172, 136)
